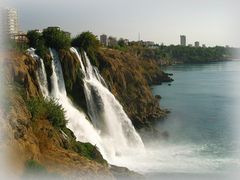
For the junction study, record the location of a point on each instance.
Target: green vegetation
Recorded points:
(34, 170)
(51, 37)
(191, 54)
(50, 109)
(56, 38)
(33, 38)
(88, 42)
(84, 149)
(183, 54)
(33, 166)
(89, 151)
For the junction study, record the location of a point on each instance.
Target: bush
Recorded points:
(86, 41)
(34, 166)
(33, 38)
(50, 109)
(89, 151)
(55, 38)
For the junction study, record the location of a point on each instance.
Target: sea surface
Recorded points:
(204, 123)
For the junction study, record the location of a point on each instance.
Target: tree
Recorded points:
(55, 38)
(33, 38)
(86, 41)
(121, 42)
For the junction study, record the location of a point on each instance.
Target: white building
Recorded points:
(12, 21)
(9, 22)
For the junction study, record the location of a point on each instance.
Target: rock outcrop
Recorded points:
(129, 79)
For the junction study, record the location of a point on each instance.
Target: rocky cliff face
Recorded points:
(73, 78)
(129, 79)
(36, 141)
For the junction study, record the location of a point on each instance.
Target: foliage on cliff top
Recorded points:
(51, 37)
(88, 42)
(56, 38)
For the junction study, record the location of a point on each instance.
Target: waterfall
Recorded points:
(106, 112)
(77, 120)
(41, 72)
(111, 130)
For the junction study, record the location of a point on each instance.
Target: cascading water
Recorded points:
(41, 72)
(112, 131)
(107, 115)
(78, 123)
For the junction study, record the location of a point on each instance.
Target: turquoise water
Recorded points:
(204, 123)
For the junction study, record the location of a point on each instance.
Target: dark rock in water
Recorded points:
(124, 173)
(169, 84)
(165, 135)
(158, 97)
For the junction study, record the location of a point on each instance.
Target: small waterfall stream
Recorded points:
(41, 73)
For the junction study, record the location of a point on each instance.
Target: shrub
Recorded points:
(50, 109)
(41, 49)
(89, 151)
(33, 38)
(55, 38)
(86, 41)
(34, 166)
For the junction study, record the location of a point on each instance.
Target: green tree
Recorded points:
(86, 41)
(121, 42)
(33, 38)
(56, 38)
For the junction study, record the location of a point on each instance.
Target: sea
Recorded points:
(203, 124)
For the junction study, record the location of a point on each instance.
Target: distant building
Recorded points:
(197, 44)
(54, 27)
(148, 43)
(12, 22)
(112, 41)
(9, 24)
(183, 40)
(20, 37)
(190, 45)
(104, 40)
(204, 45)
(38, 30)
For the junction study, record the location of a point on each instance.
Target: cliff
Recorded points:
(129, 79)
(51, 146)
(37, 142)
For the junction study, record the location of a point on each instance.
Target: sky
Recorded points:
(212, 22)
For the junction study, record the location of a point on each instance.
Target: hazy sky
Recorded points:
(212, 22)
